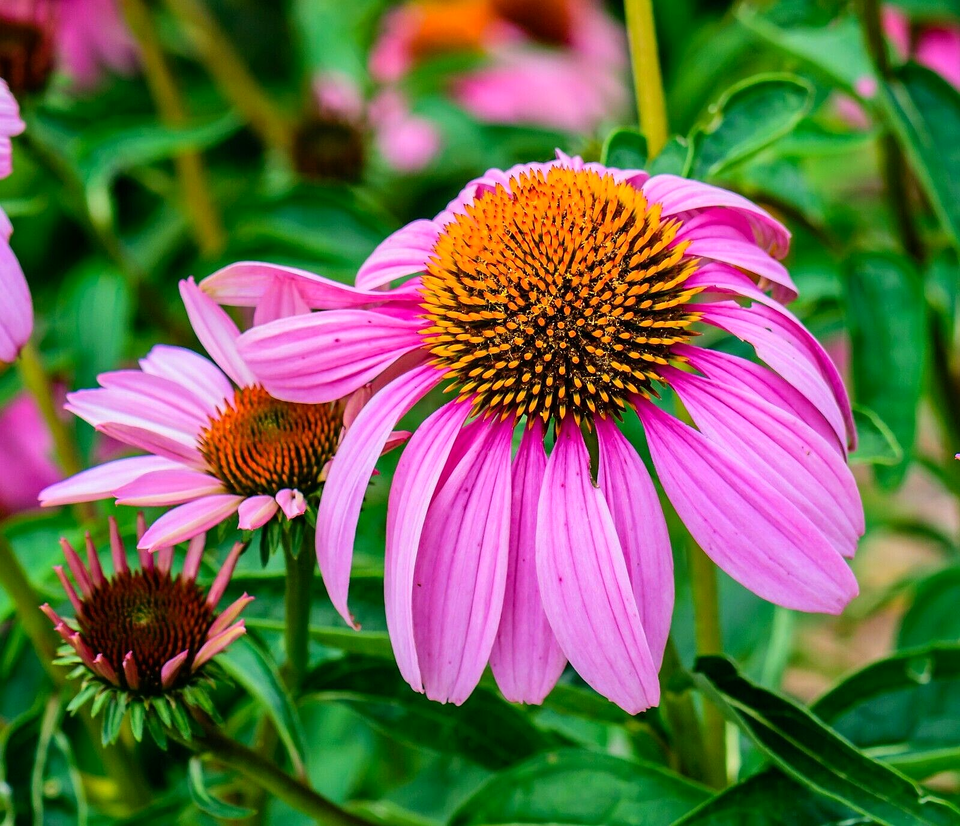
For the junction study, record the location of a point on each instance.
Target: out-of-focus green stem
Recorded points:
(232, 75)
(706, 609)
(198, 201)
(651, 104)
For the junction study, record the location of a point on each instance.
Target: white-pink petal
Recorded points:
(194, 372)
(292, 503)
(167, 487)
(281, 299)
(256, 511)
(189, 520)
(400, 255)
(100, 482)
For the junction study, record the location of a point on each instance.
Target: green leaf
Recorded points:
(886, 318)
(485, 729)
(816, 756)
(749, 116)
(206, 802)
(904, 709)
(760, 801)
(579, 787)
(625, 149)
(933, 615)
(876, 444)
(249, 666)
(674, 159)
(924, 110)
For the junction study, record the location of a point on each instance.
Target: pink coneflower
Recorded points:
(26, 452)
(16, 307)
(218, 443)
(559, 298)
(81, 38)
(552, 63)
(936, 46)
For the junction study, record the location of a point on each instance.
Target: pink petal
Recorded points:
(679, 195)
(100, 406)
(802, 467)
(584, 582)
(256, 511)
(401, 254)
(167, 487)
(192, 371)
(217, 333)
(173, 449)
(281, 299)
(159, 391)
(642, 530)
(350, 473)
(245, 283)
(11, 125)
(325, 356)
(739, 519)
(16, 307)
(229, 614)
(191, 564)
(100, 482)
(411, 493)
(292, 503)
(222, 580)
(461, 568)
(526, 658)
(171, 668)
(214, 646)
(188, 520)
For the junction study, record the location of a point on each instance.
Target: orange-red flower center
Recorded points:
(563, 294)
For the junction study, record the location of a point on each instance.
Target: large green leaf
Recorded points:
(904, 710)
(486, 729)
(933, 614)
(924, 110)
(748, 117)
(580, 787)
(814, 755)
(876, 443)
(887, 323)
(625, 149)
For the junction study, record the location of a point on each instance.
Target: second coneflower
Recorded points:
(557, 299)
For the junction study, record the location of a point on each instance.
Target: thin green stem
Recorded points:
(274, 781)
(298, 594)
(235, 80)
(647, 80)
(706, 608)
(198, 201)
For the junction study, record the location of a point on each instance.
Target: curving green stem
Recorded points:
(647, 80)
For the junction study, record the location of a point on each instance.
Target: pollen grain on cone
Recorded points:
(563, 295)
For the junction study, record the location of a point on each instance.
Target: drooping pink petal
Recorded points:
(171, 669)
(245, 283)
(642, 530)
(742, 523)
(680, 195)
(788, 347)
(216, 331)
(169, 395)
(281, 299)
(191, 565)
(292, 503)
(16, 307)
(192, 371)
(401, 254)
(186, 521)
(27, 453)
(93, 560)
(167, 487)
(583, 580)
(224, 620)
(413, 488)
(105, 670)
(215, 645)
(461, 568)
(68, 587)
(325, 356)
(118, 553)
(77, 568)
(350, 473)
(796, 461)
(526, 658)
(256, 511)
(222, 580)
(100, 482)
(172, 449)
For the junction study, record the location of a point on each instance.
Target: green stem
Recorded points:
(235, 80)
(199, 203)
(678, 709)
(298, 594)
(706, 608)
(651, 104)
(894, 162)
(274, 781)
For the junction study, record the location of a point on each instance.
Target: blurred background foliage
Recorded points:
(121, 190)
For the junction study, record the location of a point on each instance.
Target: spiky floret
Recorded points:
(563, 294)
(259, 444)
(142, 638)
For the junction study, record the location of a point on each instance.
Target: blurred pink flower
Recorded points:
(552, 63)
(26, 451)
(83, 38)
(217, 443)
(564, 295)
(16, 307)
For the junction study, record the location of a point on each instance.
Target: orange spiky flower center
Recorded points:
(563, 294)
(261, 445)
(151, 614)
